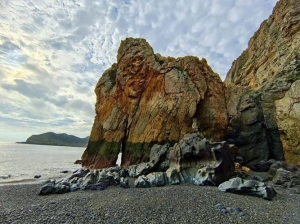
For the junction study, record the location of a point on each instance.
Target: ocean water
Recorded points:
(19, 163)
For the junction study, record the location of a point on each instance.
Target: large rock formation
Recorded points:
(262, 91)
(146, 98)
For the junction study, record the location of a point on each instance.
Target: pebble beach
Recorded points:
(184, 203)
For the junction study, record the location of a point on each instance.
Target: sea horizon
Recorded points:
(20, 163)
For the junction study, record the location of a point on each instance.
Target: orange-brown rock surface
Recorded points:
(274, 49)
(146, 98)
(262, 96)
(288, 119)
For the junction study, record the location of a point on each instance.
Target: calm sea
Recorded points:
(19, 163)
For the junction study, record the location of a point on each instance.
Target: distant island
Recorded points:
(51, 138)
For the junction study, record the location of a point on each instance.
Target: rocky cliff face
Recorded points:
(274, 49)
(263, 92)
(288, 119)
(146, 98)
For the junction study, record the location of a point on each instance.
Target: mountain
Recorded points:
(63, 139)
(146, 98)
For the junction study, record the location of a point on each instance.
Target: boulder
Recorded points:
(90, 178)
(262, 166)
(284, 174)
(75, 187)
(48, 187)
(124, 182)
(159, 156)
(123, 172)
(173, 176)
(80, 173)
(155, 179)
(110, 178)
(283, 177)
(192, 159)
(201, 161)
(141, 181)
(248, 187)
(140, 169)
(97, 186)
(61, 187)
(159, 161)
(204, 176)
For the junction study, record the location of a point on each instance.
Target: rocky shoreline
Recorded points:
(184, 203)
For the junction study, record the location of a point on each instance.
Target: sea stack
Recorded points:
(146, 98)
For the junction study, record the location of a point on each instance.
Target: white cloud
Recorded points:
(53, 52)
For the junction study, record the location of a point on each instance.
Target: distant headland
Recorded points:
(51, 138)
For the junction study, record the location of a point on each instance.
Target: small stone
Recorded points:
(242, 214)
(224, 211)
(48, 188)
(124, 182)
(237, 209)
(219, 206)
(229, 210)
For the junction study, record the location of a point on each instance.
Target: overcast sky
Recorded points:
(52, 52)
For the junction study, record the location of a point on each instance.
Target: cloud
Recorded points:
(26, 89)
(52, 53)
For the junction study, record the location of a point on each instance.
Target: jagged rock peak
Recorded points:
(146, 98)
(273, 50)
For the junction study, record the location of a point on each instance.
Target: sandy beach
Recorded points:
(169, 204)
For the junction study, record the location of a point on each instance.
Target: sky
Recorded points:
(52, 52)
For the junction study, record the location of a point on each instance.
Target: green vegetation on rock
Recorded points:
(106, 150)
